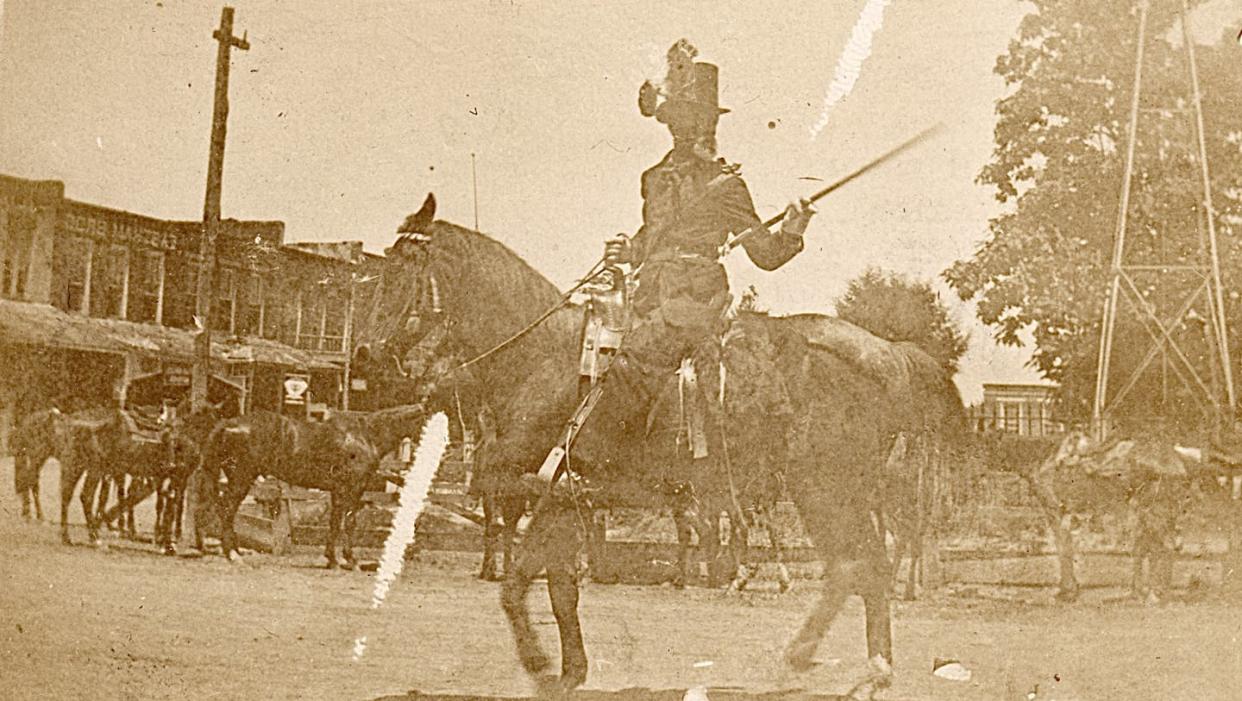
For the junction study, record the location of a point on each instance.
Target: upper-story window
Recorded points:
(250, 306)
(108, 274)
(225, 302)
(73, 261)
(334, 322)
(146, 280)
(16, 241)
(180, 286)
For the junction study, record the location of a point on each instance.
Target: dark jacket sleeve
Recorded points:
(640, 242)
(766, 249)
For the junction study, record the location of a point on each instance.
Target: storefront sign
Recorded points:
(120, 228)
(240, 353)
(296, 386)
(177, 376)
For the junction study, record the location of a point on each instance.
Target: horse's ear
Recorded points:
(420, 221)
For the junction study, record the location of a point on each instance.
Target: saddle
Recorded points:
(144, 426)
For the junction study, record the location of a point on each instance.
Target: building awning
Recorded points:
(42, 325)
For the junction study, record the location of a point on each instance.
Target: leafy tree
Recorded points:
(899, 309)
(1061, 139)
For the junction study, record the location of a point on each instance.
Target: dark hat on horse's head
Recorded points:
(687, 84)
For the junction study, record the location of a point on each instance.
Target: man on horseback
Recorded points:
(692, 201)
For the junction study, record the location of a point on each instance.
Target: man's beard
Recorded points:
(705, 147)
(702, 146)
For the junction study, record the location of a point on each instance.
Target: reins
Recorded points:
(564, 300)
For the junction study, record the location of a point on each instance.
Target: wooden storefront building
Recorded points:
(91, 297)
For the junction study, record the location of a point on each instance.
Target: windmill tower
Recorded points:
(1165, 275)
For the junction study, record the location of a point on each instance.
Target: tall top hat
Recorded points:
(686, 84)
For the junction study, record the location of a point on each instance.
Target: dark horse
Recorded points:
(852, 393)
(340, 456)
(34, 440)
(105, 442)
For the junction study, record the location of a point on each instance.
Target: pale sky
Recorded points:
(344, 115)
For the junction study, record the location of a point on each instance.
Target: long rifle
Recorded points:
(738, 239)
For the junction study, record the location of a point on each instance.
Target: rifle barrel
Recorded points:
(838, 184)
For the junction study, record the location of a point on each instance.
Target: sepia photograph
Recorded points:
(823, 350)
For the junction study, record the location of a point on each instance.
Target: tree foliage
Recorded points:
(896, 308)
(1058, 163)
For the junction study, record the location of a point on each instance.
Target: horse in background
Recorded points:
(107, 442)
(35, 440)
(341, 456)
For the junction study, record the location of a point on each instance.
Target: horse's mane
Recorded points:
(488, 286)
(497, 289)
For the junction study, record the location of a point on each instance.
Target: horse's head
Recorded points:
(406, 316)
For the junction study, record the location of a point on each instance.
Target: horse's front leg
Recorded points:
(776, 538)
(70, 473)
(335, 513)
(19, 482)
(350, 521)
(512, 510)
(226, 509)
(552, 541)
(739, 549)
(685, 529)
(34, 494)
(838, 575)
(873, 584)
(89, 487)
(491, 532)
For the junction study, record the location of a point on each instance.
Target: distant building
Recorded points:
(91, 297)
(1025, 409)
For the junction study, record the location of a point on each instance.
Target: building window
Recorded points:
(180, 286)
(334, 323)
(275, 309)
(310, 330)
(250, 306)
(73, 261)
(1012, 416)
(145, 279)
(18, 240)
(108, 273)
(225, 289)
(290, 315)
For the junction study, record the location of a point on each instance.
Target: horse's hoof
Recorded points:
(349, 565)
(799, 658)
(535, 663)
(170, 549)
(552, 686)
(235, 557)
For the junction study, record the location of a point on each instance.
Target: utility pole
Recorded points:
(211, 210)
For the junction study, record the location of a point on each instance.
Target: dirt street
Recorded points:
(128, 623)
